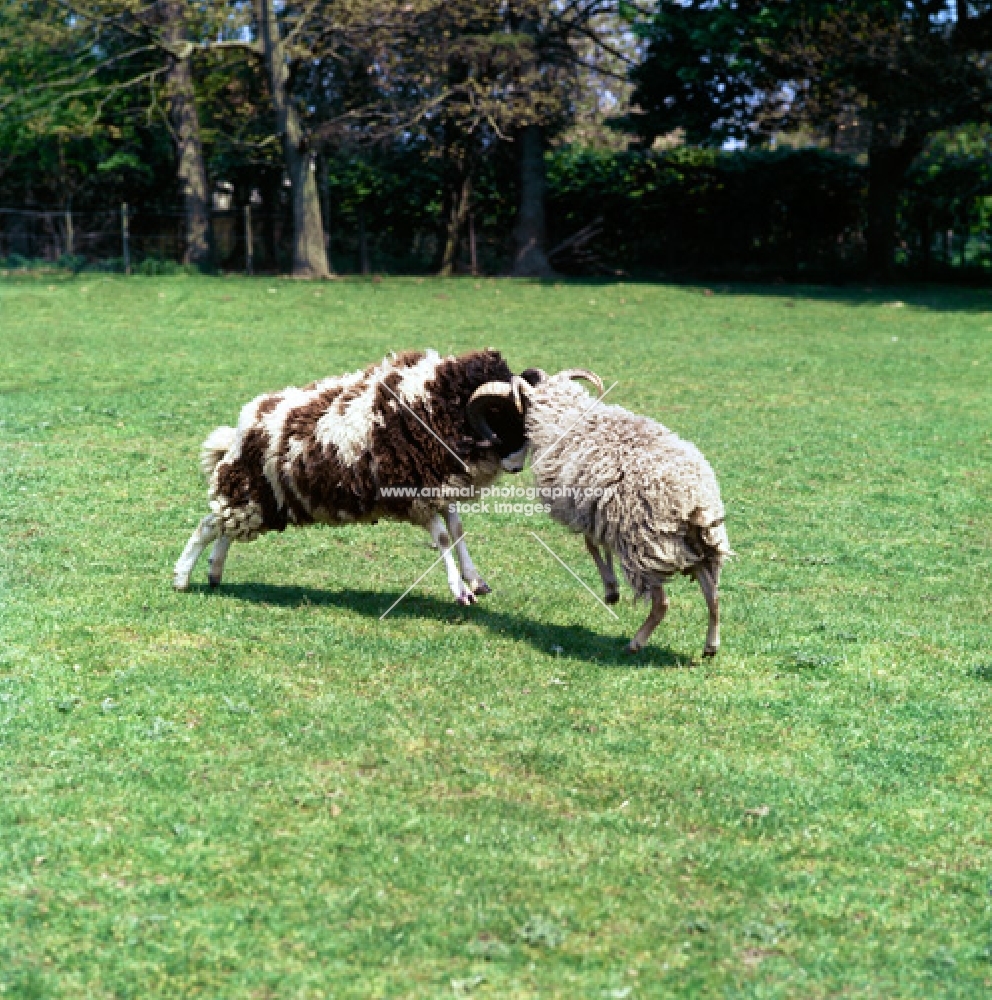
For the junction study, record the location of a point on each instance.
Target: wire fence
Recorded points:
(125, 240)
(251, 241)
(242, 240)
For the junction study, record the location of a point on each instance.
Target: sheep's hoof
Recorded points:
(214, 582)
(480, 587)
(465, 599)
(612, 598)
(180, 583)
(632, 648)
(711, 650)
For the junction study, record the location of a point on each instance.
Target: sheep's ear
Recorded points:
(534, 376)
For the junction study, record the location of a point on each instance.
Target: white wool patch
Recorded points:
(326, 429)
(220, 439)
(413, 383)
(346, 382)
(293, 452)
(214, 448)
(333, 380)
(349, 428)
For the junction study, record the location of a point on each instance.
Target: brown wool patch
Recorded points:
(407, 359)
(233, 483)
(317, 473)
(253, 447)
(407, 453)
(300, 424)
(268, 404)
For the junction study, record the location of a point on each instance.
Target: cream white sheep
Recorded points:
(628, 484)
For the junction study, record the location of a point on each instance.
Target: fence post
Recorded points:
(471, 244)
(69, 236)
(125, 239)
(249, 243)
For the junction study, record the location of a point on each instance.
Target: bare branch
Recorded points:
(79, 78)
(301, 21)
(252, 48)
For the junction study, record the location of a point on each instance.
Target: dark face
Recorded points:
(508, 426)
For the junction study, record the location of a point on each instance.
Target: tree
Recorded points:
(92, 59)
(302, 50)
(474, 80)
(753, 69)
(561, 44)
(486, 71)
(309, 252)
(181, 102)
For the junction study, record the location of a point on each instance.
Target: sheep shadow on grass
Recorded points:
(575, 641)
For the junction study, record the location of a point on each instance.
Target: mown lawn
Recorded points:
(266, 792)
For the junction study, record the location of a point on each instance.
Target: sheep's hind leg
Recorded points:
(605, 567)
(443, 540)
(708, 577)
(218, 556)
(659, 608)
(206, 531)
(469, 573)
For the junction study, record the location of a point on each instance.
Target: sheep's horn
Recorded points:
(482, 400)
(584, 373)
(520, 389)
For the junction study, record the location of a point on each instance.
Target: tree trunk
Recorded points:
(324, 188)
(270, 188)
(190, 167)
(460, 204)
(887, 169)
(529, 234)
(309, 253)
(363, 244)
(472, 246)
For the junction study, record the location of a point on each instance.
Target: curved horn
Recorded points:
(481, 398)
(520, 389)
(584, 373)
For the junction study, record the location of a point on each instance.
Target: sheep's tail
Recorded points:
(215, 448)
(716, 538)
(713, 534)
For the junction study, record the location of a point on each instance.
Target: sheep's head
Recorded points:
(497, 410)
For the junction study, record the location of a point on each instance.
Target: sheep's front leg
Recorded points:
(708, 577)
(659, 608)
(605, 567)
(207, 530)
(218, 556)
(469, 573)
(442, 539)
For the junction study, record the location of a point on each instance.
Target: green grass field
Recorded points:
(266, 792)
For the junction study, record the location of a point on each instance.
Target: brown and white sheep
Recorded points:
(386, 441)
